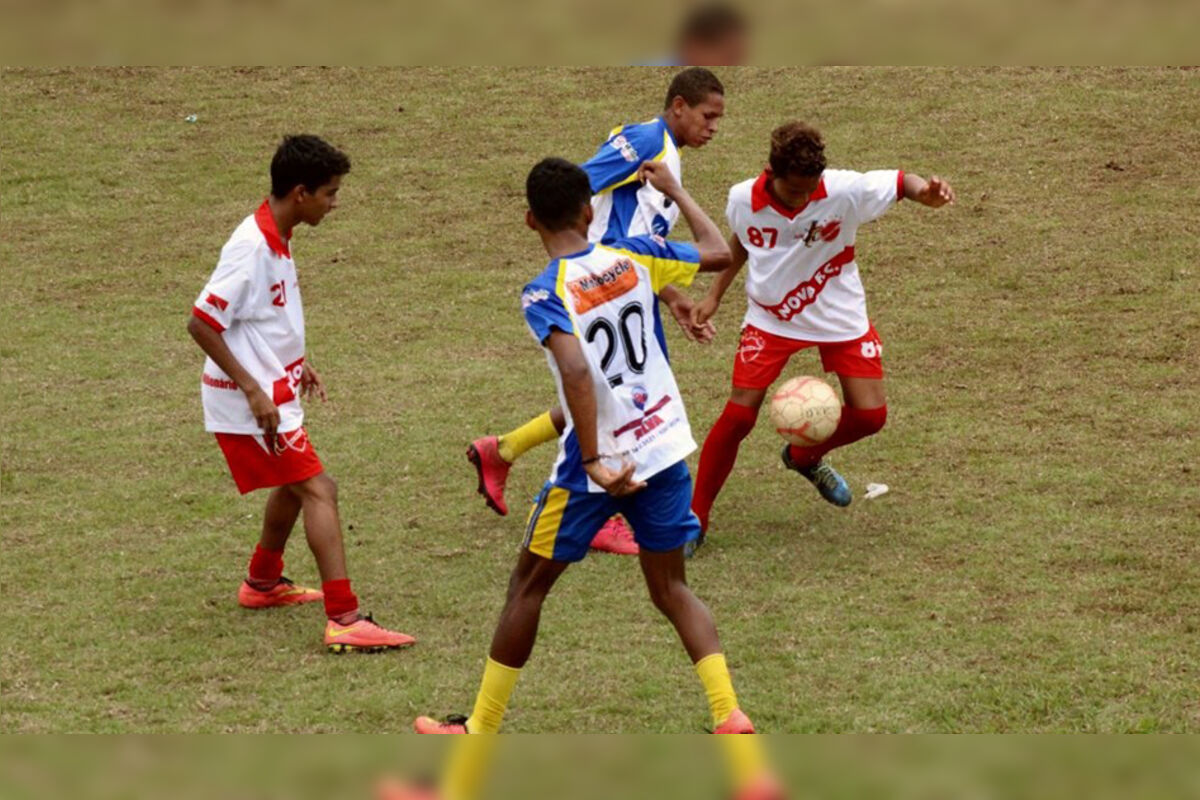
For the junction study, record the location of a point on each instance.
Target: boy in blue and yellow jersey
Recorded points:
(626, 431)
(622, 206)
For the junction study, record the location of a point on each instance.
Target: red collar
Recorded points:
(266, 224)
(761, 197)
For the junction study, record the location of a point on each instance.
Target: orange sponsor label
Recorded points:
(596, 289)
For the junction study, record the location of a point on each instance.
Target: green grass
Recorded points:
(1036, 566)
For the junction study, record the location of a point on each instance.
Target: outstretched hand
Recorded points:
(703, 311)
(936, 193)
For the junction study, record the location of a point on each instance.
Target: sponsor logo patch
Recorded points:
(600, 287)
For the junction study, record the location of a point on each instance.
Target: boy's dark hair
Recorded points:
(797, 149)
(694, 85)
(305, 160)
(711, 23)
(557, 191)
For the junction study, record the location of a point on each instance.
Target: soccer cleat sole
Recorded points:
(342, 649)
(474, 458)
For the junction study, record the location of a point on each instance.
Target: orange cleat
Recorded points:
(737, 722)
(284, 593)
(363, 636)
(456, 723)
(493, 471)
(616, 537)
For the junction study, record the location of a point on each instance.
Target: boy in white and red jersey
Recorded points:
(796, 224)
(250, 322)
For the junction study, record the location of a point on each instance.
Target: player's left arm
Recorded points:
(311, 384)
(934, 192)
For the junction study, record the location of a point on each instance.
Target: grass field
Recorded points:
(1036, 566)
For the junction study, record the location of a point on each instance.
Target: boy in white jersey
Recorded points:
(622, 206)
(250, 323)
(626, 431)
(796, 224)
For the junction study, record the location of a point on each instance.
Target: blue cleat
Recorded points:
(829, 483)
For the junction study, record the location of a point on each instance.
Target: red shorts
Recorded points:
(254, 466)
(761, 356)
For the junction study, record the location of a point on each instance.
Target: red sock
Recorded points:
(719, 453)
(341, 604)
(265, 568)
(855, 424)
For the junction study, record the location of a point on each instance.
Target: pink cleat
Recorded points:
(493, 471)
(283, 593)
(363, 635)
(454, 724)
(737, 722)
(615, 537)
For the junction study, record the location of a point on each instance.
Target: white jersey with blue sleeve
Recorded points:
(605, 296)
(622, 206)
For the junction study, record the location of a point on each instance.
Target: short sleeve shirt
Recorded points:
(802, 281)
(253, 300)
(605, 296)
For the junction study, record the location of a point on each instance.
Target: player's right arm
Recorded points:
(213, 313)
(703, 311)
(265, 412)
(581, 401)
(714, 253)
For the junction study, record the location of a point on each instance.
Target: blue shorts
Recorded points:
(562, 522)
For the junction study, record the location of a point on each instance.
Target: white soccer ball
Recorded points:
(805, 411)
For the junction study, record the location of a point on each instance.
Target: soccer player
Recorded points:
(626, 432)
(622, 206)
(249, 321)
(796, 225)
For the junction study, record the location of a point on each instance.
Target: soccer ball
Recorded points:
(805, 411)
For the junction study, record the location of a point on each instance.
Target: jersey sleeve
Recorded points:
(544, 311)
(225, 295)
(616, 161)
(667, 261)
(873, 193)
(731, 215)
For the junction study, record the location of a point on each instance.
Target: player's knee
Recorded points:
(667, 595)
(321, 488)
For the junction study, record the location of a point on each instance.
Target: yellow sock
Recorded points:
(467, 764)
(492, 700)
(538, 430)
(714, 674)
(744, 758)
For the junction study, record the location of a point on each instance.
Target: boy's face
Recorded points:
(314, 205)
(697, 124)
(794, 190)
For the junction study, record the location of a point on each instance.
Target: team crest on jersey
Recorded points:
(826, 232)
(534, 296)
(598, 288)
(640, 396)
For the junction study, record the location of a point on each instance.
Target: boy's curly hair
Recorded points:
(797, 149)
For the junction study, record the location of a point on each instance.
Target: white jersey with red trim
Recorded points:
(802, 281)
(253, 300)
